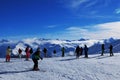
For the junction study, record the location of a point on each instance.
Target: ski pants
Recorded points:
(7, 58)
(35, 63)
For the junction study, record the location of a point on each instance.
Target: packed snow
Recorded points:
(95, 67)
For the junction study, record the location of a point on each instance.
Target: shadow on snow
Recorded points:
(68, 59)
(9, 72)
(96, 57)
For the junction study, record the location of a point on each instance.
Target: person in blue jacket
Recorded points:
(35, 58)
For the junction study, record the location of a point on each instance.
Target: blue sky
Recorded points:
(63, 19)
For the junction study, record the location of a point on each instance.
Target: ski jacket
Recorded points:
(63, 49)
(77, 49)
(103, 47)
(31, 51)
(27, 52)
(86, 48)
(36, 55)
(8, 51)
(20, 51)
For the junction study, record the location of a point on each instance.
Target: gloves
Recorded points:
(41, 58)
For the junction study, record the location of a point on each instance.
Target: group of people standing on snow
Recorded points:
(36, 55)
(29, 51)
(110, 50)
(79, 51)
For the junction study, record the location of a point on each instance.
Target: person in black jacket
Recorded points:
(54, 52)
(31, 51)
(77, 51)
(111, 52)
(63, 51)
(81, 51)
(20, 53)
(102, 47)
(45, 52)
(86, 51)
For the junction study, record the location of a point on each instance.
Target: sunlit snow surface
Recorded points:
(96, 67)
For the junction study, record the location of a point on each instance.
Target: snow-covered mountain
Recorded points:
(70, 45)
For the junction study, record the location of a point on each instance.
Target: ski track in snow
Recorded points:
(63, 68)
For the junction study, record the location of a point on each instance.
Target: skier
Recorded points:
(8, 53)
(111, 52)
(86, 51)
(102, 47)
(77, 51)
(35, 58)
(63, 51)
(54, 52)
(45, 52)
(27, 50)
(81, 51)
(20, 53)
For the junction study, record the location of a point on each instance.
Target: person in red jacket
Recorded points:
(27, 50)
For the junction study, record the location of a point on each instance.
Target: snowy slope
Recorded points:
(63, 68)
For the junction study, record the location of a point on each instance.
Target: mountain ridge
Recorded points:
(57, 44)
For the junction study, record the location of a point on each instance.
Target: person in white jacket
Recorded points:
(8, 53)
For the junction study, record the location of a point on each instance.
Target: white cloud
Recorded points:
(51, 26)
(107, 30)
(89, 8)
(76, 31)
(77, 3)
(92, 3)
(100, 31)
(74, 4)
(117, 11)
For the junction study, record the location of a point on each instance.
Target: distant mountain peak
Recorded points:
(82, 39)
(4, 40)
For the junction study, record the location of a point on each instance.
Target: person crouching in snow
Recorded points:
(35, 58)
(8, 53)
